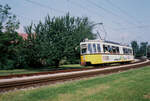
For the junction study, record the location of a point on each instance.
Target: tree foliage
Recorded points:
(135, 47)
(143, 48)
(140, 50)
(148, 51)
(9, 39)
(57, 39)
(50, 43)
(8, 22)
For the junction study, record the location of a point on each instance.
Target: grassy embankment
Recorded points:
(133, 85)
(33, 70)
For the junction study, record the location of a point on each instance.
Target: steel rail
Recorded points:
(60, 71)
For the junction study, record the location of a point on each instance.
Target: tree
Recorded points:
(9, 39)
(148, 51)
(140, 50)
(8, 22)
(57, 39)
(143, 48)
(135, 47)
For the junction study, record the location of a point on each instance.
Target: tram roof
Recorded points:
(112, 42)
(106, 41)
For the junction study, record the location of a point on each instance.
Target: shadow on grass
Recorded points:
(40, 69)
(52, 68)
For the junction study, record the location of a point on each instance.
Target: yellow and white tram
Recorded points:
(103, 52)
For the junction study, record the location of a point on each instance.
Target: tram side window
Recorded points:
(98, 48)
(117, 48)
(123, 50)
(114, 49)
(89, 48)
(126, 51)
(109, 49)
(105, 48)
(130, 51)
(83, 50)
(94, 48)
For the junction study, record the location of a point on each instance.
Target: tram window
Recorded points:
(89, 48)
(114, 49)
(123, 50)
(84, 50)
(109, 49)
(117, 48)
(98, 48)
(126, 51)
(105, 49)
(130, 51)
(94, 48)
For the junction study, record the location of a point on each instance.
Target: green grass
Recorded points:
(45, 69)
(15, 71)
(133, 85)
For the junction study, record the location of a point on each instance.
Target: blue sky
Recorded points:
(124, 20)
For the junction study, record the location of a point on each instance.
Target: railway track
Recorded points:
(38, 80)
(59, 71)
